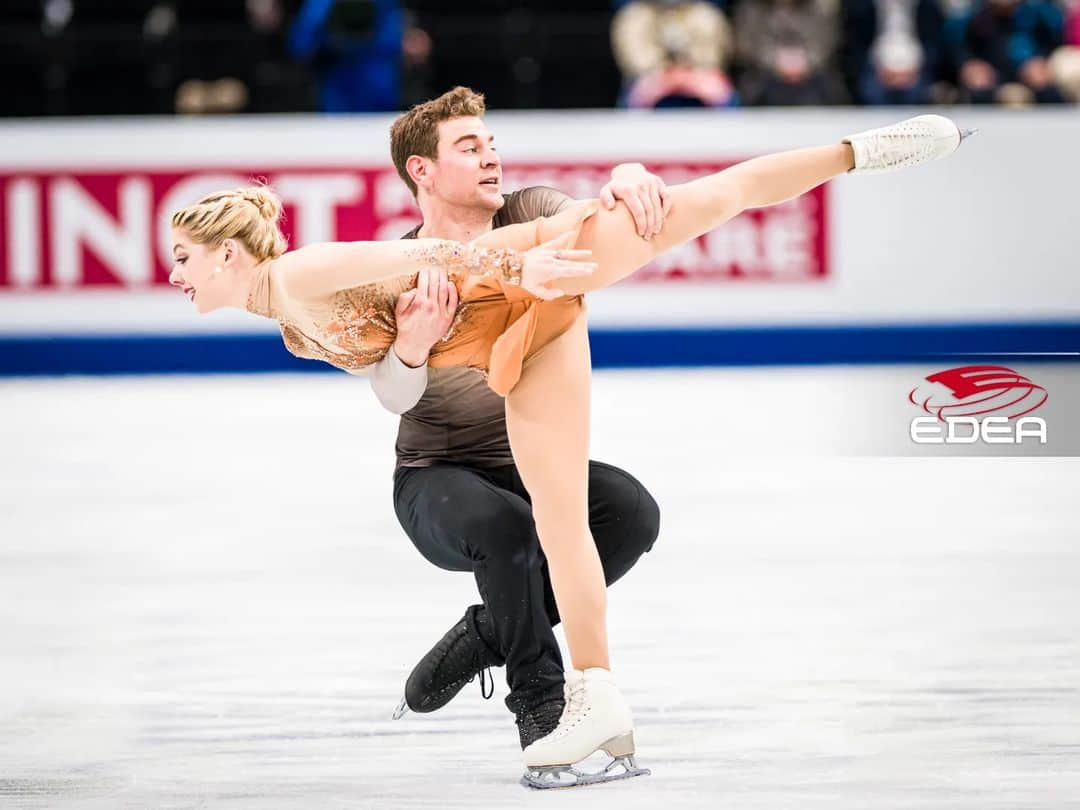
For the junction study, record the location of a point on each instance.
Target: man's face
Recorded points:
(468, 171)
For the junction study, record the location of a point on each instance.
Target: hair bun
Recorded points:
(250, 214)
(266, 201)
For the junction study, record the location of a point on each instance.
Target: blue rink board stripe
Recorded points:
(631, 348)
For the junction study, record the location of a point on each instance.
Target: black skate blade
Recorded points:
(567, 776)
(401, 710)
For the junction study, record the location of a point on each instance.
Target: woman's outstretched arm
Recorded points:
(697, 207)
(322, 269)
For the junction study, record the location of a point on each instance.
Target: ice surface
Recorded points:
(206, 602)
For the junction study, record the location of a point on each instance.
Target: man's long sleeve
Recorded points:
(397, 386)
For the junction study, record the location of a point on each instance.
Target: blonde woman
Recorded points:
(521, 322)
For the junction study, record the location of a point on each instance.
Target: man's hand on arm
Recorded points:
(423, 316)
(645, 195)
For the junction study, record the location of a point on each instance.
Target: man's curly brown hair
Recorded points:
(416, 132)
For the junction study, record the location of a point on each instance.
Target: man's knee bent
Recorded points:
(506, 536)
(646, 527)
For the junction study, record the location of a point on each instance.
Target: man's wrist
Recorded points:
(411, 356)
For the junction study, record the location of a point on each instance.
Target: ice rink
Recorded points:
(206, 602)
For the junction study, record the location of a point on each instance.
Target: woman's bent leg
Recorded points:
(696, 208)
(547, 419)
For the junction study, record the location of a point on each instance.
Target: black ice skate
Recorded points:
(456, 660)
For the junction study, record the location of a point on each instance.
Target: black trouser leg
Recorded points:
(461, 519)
(466, 519)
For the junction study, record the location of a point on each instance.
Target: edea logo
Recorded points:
(977, 403)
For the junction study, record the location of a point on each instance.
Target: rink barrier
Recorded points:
(968, 257)
(624, 348)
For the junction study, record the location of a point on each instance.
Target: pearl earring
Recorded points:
(217, 270)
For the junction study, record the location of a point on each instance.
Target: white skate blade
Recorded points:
(401, 710)
(568, 776)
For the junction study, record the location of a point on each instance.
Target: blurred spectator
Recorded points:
(266, 16)
(672, 53)
(1002, 51)
(211, 97)
(787, 49)
(355, 47)
(230, 55)
(892, 49)
(1065, 61)
(416, 71)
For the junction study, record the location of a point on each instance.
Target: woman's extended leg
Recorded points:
(547, 419)
(696, 208)
(703, 204)
(547, 412)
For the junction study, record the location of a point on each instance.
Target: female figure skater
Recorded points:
(521, 321)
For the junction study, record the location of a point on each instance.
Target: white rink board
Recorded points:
(989, 235)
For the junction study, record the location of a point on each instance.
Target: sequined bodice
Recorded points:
(496, 326)
(359, 324)
(354, 328)
(351, 329)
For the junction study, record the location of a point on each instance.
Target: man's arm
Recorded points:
(423, 316)
(644, 194)
(398, 387)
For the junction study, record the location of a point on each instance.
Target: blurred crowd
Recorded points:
(75, 57)
(868, 52)
(72, 57)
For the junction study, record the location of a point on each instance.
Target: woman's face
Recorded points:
(197, 271)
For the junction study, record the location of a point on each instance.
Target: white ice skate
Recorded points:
(596, 718)
(905, 144)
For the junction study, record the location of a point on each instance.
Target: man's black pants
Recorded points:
(479, 519)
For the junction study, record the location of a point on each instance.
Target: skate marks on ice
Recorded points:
(188, 621)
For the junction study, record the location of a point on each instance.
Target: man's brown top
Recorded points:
(459, 419)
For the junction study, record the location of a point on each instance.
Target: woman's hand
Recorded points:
(551, 261)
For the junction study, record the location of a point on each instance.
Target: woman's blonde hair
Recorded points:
(249, 215)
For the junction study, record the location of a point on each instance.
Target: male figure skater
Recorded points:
(457, 492)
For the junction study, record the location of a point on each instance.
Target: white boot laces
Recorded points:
(575, 706)
(900, 144)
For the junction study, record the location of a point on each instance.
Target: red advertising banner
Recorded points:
(72, 230)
